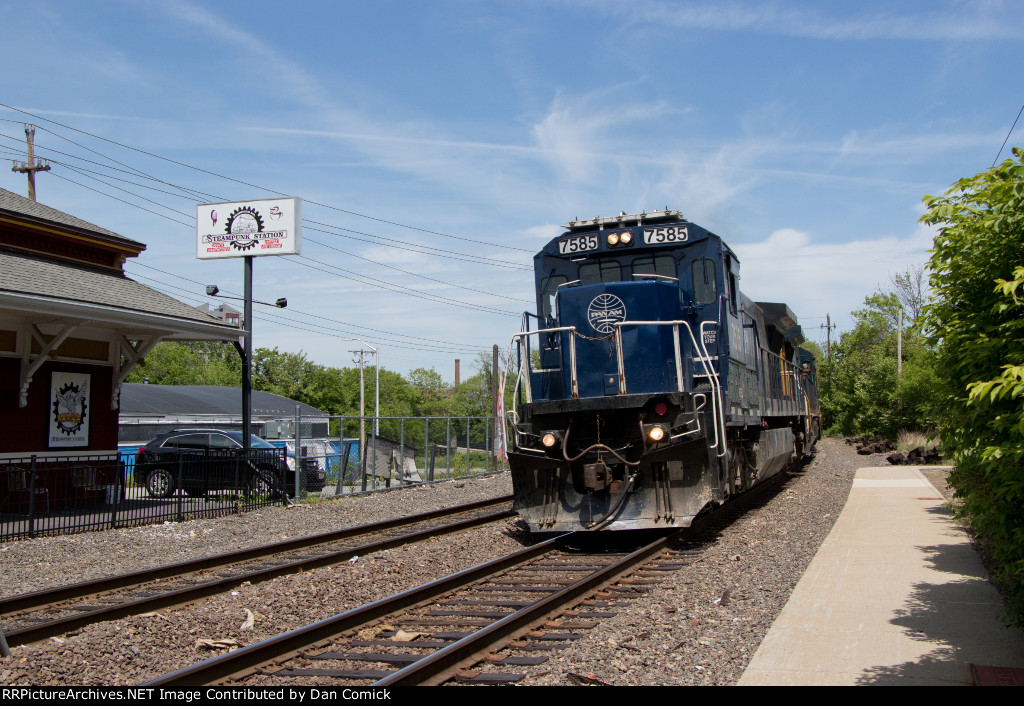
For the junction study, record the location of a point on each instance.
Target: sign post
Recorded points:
(249, 229)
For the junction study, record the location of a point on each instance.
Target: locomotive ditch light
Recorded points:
(656, 433)
(550, 438)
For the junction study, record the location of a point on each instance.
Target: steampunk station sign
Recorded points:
(268, 227)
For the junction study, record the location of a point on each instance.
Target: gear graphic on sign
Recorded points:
(69, 407)
(605, 311)
(244, 222)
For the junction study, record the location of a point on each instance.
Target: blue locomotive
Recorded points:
(650, 388)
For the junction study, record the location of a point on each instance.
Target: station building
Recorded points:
(72, 327)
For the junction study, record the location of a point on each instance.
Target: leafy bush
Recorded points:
(977, 315)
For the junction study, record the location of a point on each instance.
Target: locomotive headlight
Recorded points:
(626, 238)
(656, 433)
(613, 239)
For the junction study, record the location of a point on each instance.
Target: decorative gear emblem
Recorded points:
(244, 222)
(69, 408)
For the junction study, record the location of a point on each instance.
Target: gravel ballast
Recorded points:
(701, 625)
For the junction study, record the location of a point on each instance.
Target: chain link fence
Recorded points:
(361, 454)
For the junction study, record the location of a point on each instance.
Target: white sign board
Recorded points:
(69, 411)
(268, 227)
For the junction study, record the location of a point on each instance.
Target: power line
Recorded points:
(1007, 137)
(129, 203)
(365, 278)
(193, 194)
(414, 274)
(408, 291)
(305, 313)
(255, 186)
(261, 315)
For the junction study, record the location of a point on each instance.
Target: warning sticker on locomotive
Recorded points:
(665, 234)
(581, 243)
(605, 311)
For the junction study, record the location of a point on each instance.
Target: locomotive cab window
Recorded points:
(594, 272)
(705, 282)
(548, 290)
(734, 293)
(661, 266)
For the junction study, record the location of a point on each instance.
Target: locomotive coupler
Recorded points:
(596, 476)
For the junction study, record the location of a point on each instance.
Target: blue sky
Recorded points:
(804, 133)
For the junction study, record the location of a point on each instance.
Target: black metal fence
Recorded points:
(51, 494)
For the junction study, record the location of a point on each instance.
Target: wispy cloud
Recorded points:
(818, 278)
(287, 75)
(974, 21)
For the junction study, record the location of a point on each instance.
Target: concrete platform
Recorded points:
(895, 595)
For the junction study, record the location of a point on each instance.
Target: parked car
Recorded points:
(212, 459)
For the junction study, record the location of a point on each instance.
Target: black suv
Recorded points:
(203, 460)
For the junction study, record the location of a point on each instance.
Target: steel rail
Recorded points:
(52, 628)
(288, 644)
(438, 667)
(36, 599)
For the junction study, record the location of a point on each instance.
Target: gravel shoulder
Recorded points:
(683, 632)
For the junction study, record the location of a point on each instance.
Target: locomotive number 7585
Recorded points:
(665, 234)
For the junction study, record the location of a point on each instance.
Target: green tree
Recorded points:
(190, 363)
(977, 315)
(861, 389)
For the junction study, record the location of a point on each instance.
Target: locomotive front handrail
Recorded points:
(717, 404)
(524, 349)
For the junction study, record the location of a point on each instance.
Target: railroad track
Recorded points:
(476, 626)
(36, 616)
(435, 632)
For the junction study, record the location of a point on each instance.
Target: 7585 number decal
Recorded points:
(665, 234)
(582, 243)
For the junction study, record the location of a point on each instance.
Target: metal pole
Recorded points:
(494, 399)
(342, 457)
(247, 363)
(362, 420)
(298, 449)
(32, 499)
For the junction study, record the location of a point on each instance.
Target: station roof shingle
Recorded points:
(139, 399)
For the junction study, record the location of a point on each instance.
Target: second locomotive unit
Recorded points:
(650, 388)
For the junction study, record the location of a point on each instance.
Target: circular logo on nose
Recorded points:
(605, 311)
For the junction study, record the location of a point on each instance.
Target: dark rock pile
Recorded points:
(867, 445)
(915, 457)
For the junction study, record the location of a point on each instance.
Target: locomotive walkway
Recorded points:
(895, 596)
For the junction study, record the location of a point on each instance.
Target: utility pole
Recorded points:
(362, 417)
(494, 399)
(33, 164)
(899, 371)
(828, 326)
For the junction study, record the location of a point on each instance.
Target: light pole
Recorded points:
(213, 290)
